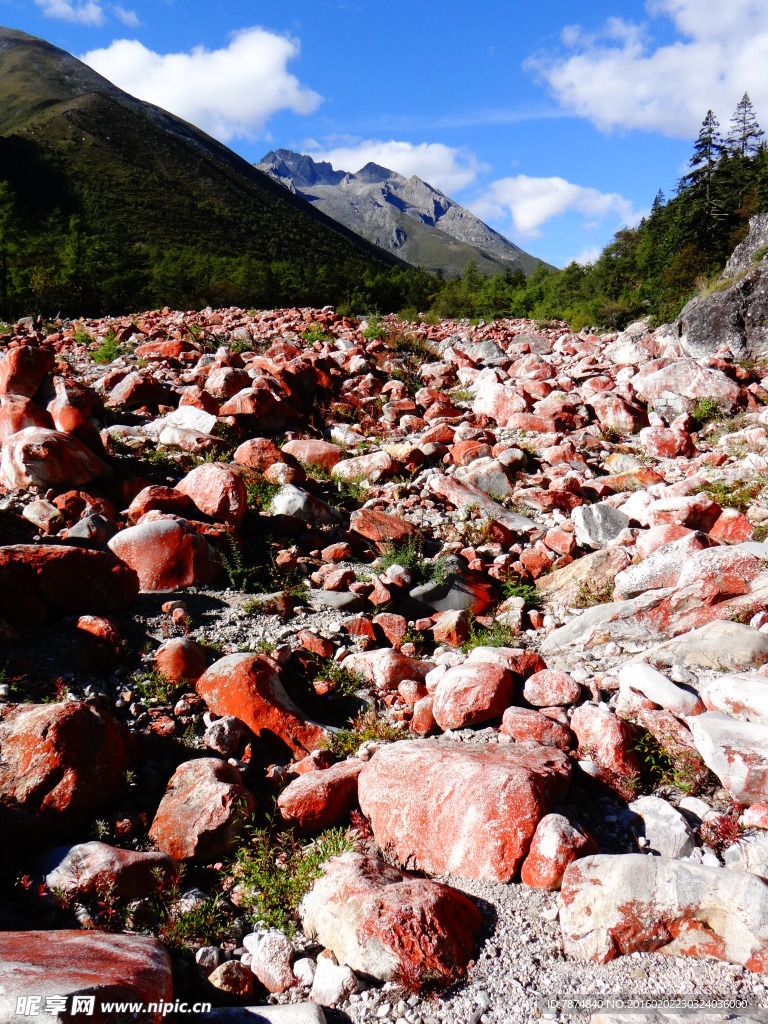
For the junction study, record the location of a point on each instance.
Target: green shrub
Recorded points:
(108, 350)
(276, 869)
(366, 726)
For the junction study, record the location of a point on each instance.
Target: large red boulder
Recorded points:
(66, 579)
(605, 739)
(217, 491)
(321, 799)
(166, 553)
(389, 925)
(36, 456)
(526, 725)
(62, 763)
(92, 965)
(321, 454)
(382, 528)
(157, 498)
(203, 811)
(463, 808)
(23, 369)
(248, 687)
(181, 660)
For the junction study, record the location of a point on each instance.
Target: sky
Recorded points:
(555, 122)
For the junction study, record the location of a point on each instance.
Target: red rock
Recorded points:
(204, 808)
(411, 691)
(233, 978)
(386, 924)
(472, 693)
(316, 644)
(667, 444)
(217, 491)
(65, 579)
(615, 413)
(18, 412)
(23, 369)
(45, 458)
(555, 844)
(271, 956)
(605, 739)
(732, 527)
(371, 467)
(101, 628)
(320, 799)
(73, 406)
(525, 725)
(549, 688)
(756, 816)
(137, 389)
(166, 553)
(383, 529)
(559, 540)
(63, 964)
(91, 868)
(394, 627)
(386, 669)
(258, 453)
(181, 660)
(651, 540)
(315, 453)
(62, 763)
(423, 720)
(465, 808)
(451, 627)
(225, 381)
(467, 451)
(160, 499)
(248, 687)
(339, 552)
(338, 580)
(697, 511)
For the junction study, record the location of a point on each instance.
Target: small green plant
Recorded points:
(276, 869)
(737, 496)
(512, 587)
(81, 336)
(366, 726)
(665, 763)
(239, 574)
(154, 686)
(410, 556)
(592, 592)
(100, 829)
(260, 493)
(706, 410)
(499, 635)
(341, 679)
(108, 350)
(316, 332)
(460, 395)
(374, 328)
(204, 924)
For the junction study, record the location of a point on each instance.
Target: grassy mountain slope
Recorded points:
(143, 181)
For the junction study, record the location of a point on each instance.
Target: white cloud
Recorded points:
(618, 81)
(531, 202)
(588, 256)
(446, 168)
(130, 18)
(228, 92)
(86, 12)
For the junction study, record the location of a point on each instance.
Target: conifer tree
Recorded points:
(745, 134)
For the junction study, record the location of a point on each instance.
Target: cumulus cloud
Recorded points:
(531, 202)
(86, 12)
(228, 92)
(444, 167)
(619, 80)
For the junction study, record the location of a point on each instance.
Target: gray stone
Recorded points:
(597, 525)
(736, 317)
(728, 646)
(666, 831)
(295, 1013)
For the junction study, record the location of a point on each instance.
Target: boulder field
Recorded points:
(407, 671)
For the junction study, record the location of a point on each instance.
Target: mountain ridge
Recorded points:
(407, 216)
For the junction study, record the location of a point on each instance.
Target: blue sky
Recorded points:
(555, 122)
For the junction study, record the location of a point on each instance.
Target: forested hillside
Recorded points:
(651, 270)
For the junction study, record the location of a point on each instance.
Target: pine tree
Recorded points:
(745, 134)
(707, 151)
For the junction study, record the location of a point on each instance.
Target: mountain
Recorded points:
(404, 215)
(151, 192)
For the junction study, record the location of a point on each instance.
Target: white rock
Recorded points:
(666, 830)
(739, 694)
(654, 685)
(332, 983)
(736, 751)
(304, 971)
